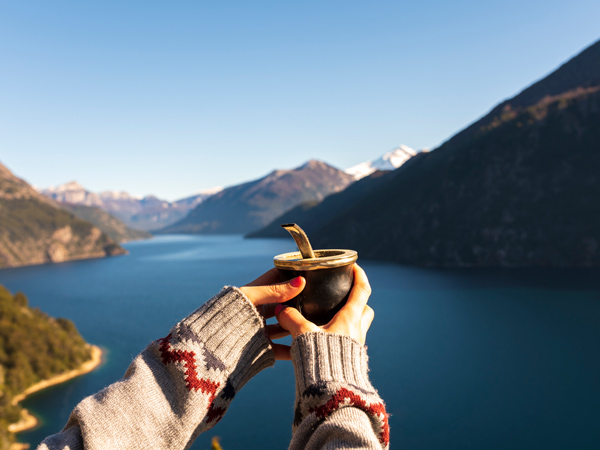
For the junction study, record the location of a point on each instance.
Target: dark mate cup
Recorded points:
(329, 277)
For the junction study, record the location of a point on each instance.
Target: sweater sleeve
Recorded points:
(336, 405)
(179, 386)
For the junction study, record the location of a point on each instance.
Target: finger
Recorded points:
(365, 321)
(269, 277)
(359, 295)
(282, 352)
(274, 293)
(276, 331)
(268, 310)
(291, 319)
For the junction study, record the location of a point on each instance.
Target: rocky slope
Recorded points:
(249, 206)
(519, 187)
(35, 230)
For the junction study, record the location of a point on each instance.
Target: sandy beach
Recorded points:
(29, 421)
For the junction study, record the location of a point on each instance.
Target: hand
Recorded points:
(266, 293)
(354, 319)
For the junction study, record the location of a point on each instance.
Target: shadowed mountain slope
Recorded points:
(519, 187)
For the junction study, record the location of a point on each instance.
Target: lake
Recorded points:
(477, 358)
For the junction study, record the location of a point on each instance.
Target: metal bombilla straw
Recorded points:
(301, 240)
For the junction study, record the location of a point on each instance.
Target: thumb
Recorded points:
(274, 293)
(291, 319)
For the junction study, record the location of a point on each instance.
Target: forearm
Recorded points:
(179, 386)
(336, 405)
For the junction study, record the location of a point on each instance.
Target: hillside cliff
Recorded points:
(35, 230)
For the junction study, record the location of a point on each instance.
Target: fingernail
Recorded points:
(296, 282)
(278, 309)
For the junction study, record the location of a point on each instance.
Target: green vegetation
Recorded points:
(23, 218)
(29, 228)
(33, 347)
(35, 230)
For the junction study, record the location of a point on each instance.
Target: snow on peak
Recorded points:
(72, 192)
(67, 187)
(389, 161)
(210, 191)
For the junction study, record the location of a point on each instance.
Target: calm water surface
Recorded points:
(481, 359)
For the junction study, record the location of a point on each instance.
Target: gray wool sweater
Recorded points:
(182, 384)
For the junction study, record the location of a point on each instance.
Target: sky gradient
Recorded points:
(169, 98)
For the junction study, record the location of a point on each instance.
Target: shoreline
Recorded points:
(29, 421)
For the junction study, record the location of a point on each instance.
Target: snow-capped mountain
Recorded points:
(389, 161)
(144, 213)
(73, 193)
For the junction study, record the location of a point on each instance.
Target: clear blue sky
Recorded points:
(170, 98)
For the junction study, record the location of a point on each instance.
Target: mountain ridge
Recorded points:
(248, 206)
(139, 213)
(577, 72)
(515, 188)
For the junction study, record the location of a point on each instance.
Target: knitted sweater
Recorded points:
(182, 384)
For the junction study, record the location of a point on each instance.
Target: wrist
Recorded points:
(321, 357)
(231, 333)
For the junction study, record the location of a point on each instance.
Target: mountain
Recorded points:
(246, 207)
(389, 161)
(519, 187)
(113, 227)
(142, 213)
(73, 193)
(35, 230)
(310, 215)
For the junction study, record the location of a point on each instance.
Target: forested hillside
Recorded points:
(33, 347)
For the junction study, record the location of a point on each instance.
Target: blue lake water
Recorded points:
(465, 359)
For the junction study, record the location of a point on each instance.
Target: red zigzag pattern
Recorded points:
(377, 410)
(188, 358)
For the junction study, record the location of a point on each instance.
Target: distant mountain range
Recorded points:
(153, 214)
(252, 205)
(389, 161)
(35, 230)
(143, 213)
(519, 187)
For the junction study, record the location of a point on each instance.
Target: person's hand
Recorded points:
(353, 319)
(266, 293)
